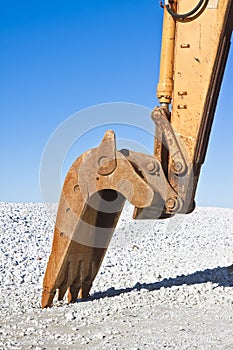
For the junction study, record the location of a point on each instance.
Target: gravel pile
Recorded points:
(162, 285)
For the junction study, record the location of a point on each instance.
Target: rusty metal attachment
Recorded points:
(161, 120)
(93, 196)
(92, 199)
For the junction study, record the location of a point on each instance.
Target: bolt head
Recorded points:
(152, 167)
(171, 203)
(103, 161)
(177, 166)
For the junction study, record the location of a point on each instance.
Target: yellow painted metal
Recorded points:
(201, 49)
(165, 85)
(197, 44)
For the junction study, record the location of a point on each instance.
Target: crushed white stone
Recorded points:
(162, 284)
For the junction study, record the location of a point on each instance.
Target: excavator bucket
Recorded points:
(93, 196)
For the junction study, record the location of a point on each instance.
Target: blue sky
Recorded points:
(59, 57)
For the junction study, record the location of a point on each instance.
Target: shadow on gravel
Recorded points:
(218, 275)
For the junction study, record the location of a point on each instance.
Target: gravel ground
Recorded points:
(162, 285)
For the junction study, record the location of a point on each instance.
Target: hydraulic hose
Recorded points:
(184, 15)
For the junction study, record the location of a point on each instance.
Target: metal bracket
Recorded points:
(179, 166)
(152, 172)
(166, 201)
(106, 154)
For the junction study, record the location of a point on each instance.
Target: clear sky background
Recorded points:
(58, 57)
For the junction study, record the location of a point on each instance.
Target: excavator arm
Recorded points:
(200, 44)
(195, 45)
